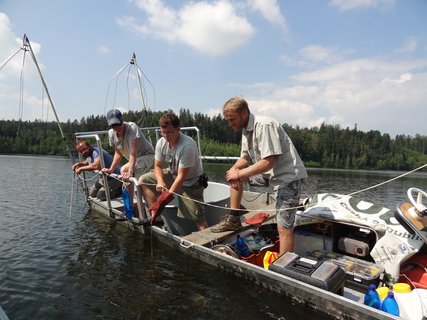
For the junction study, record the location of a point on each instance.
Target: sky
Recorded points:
(352, 63)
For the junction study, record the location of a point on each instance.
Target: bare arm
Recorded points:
(129, 169)
(86, 166)
(158, 173)
(243, 173)
(116, 160)
(182, 174)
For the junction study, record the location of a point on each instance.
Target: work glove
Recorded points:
(257, 219)
(157, 207)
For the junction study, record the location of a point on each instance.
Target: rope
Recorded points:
(388, 181)
(297, 207)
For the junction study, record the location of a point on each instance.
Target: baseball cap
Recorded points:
(114, 116)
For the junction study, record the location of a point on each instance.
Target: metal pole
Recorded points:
(27, 44)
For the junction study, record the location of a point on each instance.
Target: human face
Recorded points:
(118, 127)
(235, 120)
(84, 150)
(170, 133)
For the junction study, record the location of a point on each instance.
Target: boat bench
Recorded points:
(208, 238)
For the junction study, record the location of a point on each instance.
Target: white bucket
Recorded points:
(216, 194)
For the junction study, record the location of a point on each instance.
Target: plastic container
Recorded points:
(390, 305)
(360, 274)
(382, 292)
(127, 201)
(242, 247)
(410, 302)
(372, 298)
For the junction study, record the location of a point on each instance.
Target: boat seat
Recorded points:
(208, 238)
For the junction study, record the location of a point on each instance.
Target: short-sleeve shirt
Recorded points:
(184, 155)
(107, 159)
(131, 132)
(264, 137)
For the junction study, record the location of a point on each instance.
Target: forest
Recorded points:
(327, 146)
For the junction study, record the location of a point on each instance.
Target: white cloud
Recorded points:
(212, 28)
(270, 10)
(374, 93)
(15, 73)
(356, 4)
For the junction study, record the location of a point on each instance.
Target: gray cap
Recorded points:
(114, 116)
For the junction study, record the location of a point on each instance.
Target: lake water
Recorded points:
(58, 260)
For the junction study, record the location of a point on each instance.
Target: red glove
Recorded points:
(257, 219)
(157, 207)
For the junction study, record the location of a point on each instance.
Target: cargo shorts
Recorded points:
(287, 197)
(144, 164)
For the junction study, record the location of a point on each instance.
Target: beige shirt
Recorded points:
(264, 137)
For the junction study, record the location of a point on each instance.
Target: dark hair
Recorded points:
(169, 118)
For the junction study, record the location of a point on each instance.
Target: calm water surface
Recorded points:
(58, 260)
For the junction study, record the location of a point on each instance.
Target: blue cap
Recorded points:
(114, 116)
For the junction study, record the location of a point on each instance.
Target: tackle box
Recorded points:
(322, 274)
(359, 273)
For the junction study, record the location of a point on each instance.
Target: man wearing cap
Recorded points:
(128, 141)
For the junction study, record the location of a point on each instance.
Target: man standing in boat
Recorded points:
(128, 141)
(266, 149)
(93, 162)
(180, 153)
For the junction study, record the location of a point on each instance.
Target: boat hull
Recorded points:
(348, 306)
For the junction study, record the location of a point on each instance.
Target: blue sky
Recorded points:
(302, 62)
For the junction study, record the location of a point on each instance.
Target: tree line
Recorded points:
(327, 146)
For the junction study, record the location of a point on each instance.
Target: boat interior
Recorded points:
(330, 253)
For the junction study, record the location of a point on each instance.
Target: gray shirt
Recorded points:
(123, 143)
(184, 155)
(264, 137)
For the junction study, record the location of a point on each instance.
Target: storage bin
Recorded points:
(322, 274)
(359, 274)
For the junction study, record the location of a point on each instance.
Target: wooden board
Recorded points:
(208, 238)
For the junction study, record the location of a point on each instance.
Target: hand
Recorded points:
(232, 174)
(126, 175)
(160, 187)
(235, 184)
(75, 166)
(106, 171)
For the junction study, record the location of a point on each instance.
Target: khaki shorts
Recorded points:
(144, 164)
(188, 209)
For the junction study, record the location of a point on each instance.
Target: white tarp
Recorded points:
(395, 245)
